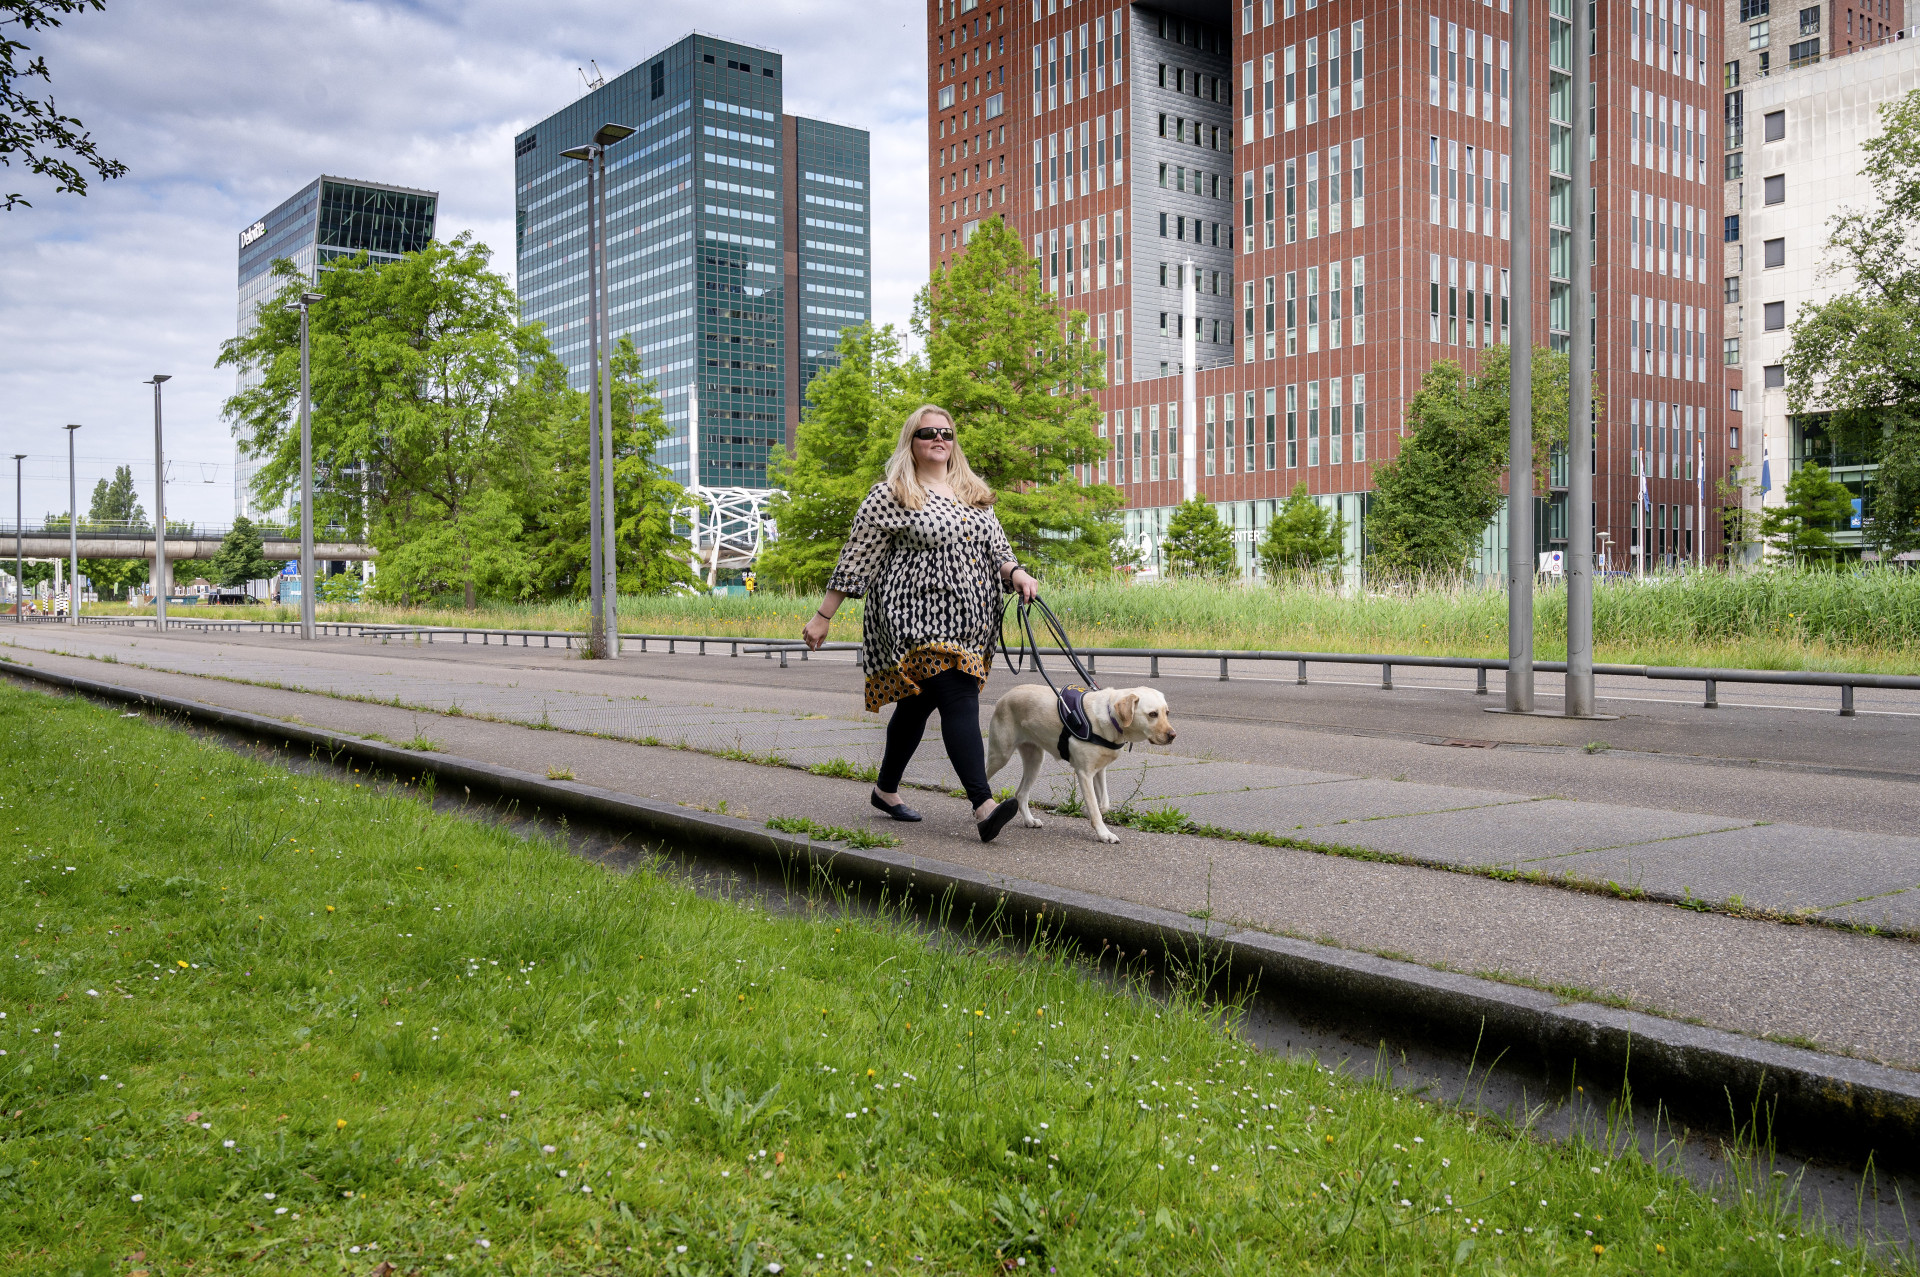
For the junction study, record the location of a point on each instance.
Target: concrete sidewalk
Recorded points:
(1832, 875)
(1830, 989)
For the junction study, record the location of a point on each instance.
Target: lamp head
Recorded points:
(74, 426)
(579, 152)
(159, 377)
(309, 298)
(608, 134)
(19, 456)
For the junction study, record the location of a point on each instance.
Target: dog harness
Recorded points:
(1075, 724)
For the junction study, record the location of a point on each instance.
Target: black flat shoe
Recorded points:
(997, 820)
(899, 811)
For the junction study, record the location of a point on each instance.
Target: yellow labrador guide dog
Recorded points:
(1028, 721)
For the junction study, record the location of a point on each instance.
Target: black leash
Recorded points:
(1051, 623)
(1074, 720)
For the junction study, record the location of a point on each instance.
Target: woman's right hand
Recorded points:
(815, 632)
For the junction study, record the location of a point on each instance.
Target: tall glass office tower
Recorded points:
(327, 218)
(738, 244)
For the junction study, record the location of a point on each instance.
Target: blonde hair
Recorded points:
(903, 477)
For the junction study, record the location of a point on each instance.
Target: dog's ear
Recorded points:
(1123, 710)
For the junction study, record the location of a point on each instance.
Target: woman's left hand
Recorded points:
(1027, 587)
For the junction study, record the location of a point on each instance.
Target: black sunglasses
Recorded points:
(934, 432)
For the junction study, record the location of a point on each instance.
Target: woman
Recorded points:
(932, 560)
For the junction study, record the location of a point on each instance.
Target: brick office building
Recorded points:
(1339, 175)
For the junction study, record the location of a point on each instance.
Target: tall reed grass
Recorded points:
(1862, 619)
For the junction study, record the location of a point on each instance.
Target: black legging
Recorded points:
(957, 697)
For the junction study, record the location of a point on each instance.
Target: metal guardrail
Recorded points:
(1710, 679)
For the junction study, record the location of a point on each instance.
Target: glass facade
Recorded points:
(329, 217)
(736, 244)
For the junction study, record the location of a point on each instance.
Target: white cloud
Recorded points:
(222, 109)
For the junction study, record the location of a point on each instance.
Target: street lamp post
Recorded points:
(19, 523)
(1579, 697)
(1520, 387)
(306, 467)
(602, 566)
(159, 511)
(73, 536)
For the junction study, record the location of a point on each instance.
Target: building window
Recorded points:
(1751, 9)
(1776, 316)
(1775, 376)
(1776, 189)
(1730, 351)
(1776, 126)
(1735, 166)
(1757, 35)
(1730, 232)
(1810, 20)
(1730, 289)
(1804, 53)
(1776, 250)
(1730, 74)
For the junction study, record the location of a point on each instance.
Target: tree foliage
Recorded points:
(1197, 543)
(1017, 372)
(115, 503)
(242, 556)
(32, 129)
(1802, 528)
(1303, 538)
(445, 427)
(840, 451)
(647, 556)
(1856, 356)
(1433, 501)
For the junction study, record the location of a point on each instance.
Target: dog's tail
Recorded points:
(1001, 735)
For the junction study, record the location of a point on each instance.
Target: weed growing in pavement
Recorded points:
(862, 838)
(845, 769)
(425, 744)
(1597, 747)
(560, 773)
(434, 1034)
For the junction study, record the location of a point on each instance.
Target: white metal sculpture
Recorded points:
(726, 527)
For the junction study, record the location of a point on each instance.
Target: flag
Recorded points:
(1766, 468)
(1646, 501)
(1700, 472)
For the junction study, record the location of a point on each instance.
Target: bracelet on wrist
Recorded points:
(823, 616)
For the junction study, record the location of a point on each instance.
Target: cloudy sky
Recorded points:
(221, 109)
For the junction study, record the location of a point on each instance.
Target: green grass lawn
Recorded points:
(259, 1022)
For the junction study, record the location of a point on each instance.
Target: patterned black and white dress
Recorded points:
(931, 578)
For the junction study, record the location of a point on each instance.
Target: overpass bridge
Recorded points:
(184, 541)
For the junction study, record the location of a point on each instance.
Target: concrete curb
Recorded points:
(1820, 1105)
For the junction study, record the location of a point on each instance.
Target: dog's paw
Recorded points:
(1107, 835)
(1032, 822)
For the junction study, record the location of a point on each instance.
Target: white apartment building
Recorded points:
(1806, 131)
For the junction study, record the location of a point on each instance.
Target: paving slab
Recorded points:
(1895, 911)
(1346, 804)
(1524, 835)
(1783, 867)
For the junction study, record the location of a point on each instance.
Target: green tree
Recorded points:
(242, 556)
(1433, 501)
(1017, 372)
(840, 451)
(424, 378)
(115, 504)
(1304, 537)
(647, 555)
(1197, 543)
(32, 128)
(1801, 529)
(1856, 356)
